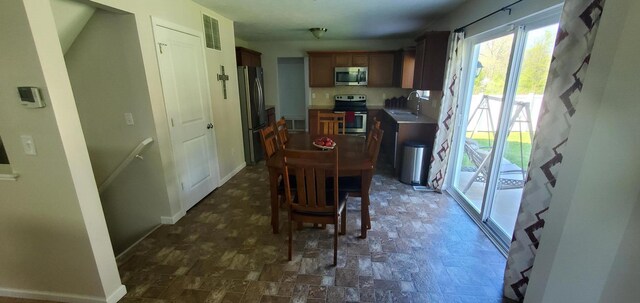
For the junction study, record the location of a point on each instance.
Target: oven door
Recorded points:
(355, 124)
(351, 76)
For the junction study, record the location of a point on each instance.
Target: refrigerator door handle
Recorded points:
(248, 98)
(260, 96)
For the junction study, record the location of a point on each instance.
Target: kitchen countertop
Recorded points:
(321, 107)
(406, 116)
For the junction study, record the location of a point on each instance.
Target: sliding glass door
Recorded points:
(507, 74)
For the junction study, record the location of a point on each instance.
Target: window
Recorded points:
(211, 32)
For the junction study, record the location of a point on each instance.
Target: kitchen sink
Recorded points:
(402, 113)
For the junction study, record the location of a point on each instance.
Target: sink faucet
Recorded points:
(418, 100)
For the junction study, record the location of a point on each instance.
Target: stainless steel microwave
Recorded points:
(351, 76)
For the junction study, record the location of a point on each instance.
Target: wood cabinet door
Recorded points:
(419, 64)
(342, 60)
(321, 72)
(431, 60)
(359, 60)
(257, 61)
(381, 69)
(247, 57)
(408, 68)
(435, 60)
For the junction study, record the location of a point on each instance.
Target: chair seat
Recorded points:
(342, 199)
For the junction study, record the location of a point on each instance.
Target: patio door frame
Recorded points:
(519, 29)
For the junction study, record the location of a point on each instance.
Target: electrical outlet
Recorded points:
(384, 96)
(313, 95)
(326, 96)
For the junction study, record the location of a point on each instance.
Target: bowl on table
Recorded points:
(324, 143)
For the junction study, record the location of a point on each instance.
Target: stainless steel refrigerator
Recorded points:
(254, 116)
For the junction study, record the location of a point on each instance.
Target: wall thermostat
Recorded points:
(30, 97)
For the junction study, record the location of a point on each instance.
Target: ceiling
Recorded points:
(268, 20)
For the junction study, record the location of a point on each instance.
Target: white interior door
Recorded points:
(186, 95)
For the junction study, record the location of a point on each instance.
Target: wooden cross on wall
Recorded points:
(224, 78)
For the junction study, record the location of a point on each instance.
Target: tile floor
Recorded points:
(422, 248)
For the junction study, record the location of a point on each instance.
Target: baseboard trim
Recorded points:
(62, 297)
(117, 294)
(173, 219)
(124, 253)
(233, 173)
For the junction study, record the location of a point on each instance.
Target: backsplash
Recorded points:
(375, 95)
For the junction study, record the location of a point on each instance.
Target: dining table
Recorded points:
(353, 160)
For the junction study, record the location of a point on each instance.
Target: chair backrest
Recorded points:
(375, 124)
(331, 123)
(373, 148)
(268, 140)
(283, 132)
(312, 171)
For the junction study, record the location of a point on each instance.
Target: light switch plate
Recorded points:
(128, 118)
(28, 145)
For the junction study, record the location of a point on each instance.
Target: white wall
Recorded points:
(56, 242)
(107, 76)
(54, 236)
(71, 17)
(271, 51)
(226, 112)
(242, 43)
(589, 249)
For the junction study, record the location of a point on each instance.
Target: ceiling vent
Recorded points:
(211, 32)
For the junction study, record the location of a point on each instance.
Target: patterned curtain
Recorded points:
(446, 121)
(576, 34)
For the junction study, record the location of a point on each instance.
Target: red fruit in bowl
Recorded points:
(328, 144)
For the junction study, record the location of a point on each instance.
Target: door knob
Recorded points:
(209, 126)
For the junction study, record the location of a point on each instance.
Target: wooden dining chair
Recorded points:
(270, 147)
(317, 198)
(269, 141)
(353, 185)
(331, 123)
(282, 131)
(374, 124)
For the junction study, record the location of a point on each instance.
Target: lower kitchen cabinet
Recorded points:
(271, 115)
(396, 134)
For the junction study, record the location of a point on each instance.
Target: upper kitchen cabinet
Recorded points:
(351, 59)
(381, 69)
(404, 67)
(247, 57)
(430, 62)
(321, 70)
